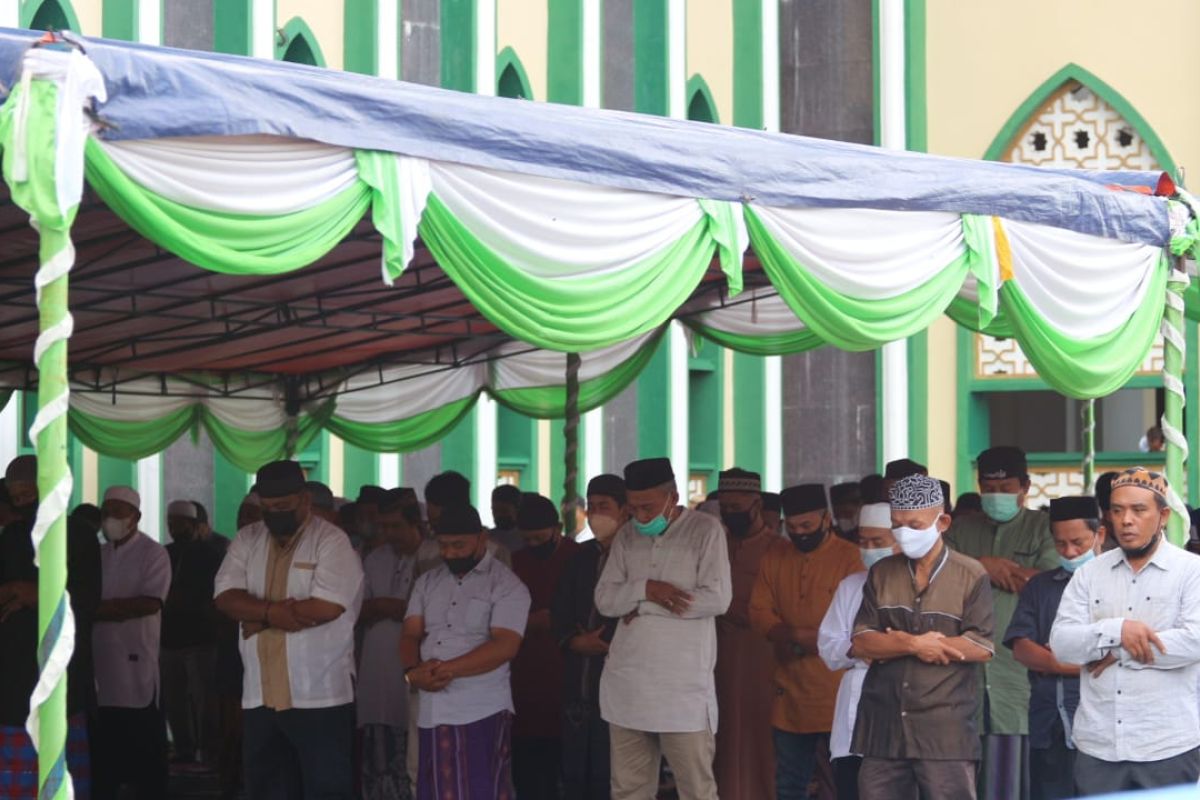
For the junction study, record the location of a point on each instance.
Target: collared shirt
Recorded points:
(659, 673)
(1052, 697)
(459, 614)
(910, 709)
(1026, 540)
(382, 691)
(795, 589)
(834, 639)
(272, 643)
(324, 566)
(126, 652)
(1133, 711)
(429, 555)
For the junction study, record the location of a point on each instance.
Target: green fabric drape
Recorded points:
(402, 435)
(768, 344)
(1091, 368)
(567, 315)
(229, 243)
(847, 322)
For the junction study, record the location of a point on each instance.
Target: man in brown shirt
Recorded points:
(794, 589)
(925, 621)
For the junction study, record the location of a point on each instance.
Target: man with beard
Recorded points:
(791, 595)
(584, 634)
(1132, 617)
(19, 641)
(745, 762)
(537, 671)
(295, 584)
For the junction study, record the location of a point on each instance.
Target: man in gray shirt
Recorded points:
(464, 624)
(1132, 616)
(667, 576)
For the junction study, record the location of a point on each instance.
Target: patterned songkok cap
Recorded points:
(917, 492)
(739, 480)
(1142, 478)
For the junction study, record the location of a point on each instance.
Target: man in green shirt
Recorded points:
(1013, 544)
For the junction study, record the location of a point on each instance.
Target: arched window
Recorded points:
(512, 81)
(53, 15)
(297, 43)
(700, 107)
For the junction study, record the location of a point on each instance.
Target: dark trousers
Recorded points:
(903, 778)
(585, 754)
(129, 748)
(795, 761)
(1051, 770)
(299, 753)
(1093, 776)
(188, 687)
(845, 777)
(536, 763)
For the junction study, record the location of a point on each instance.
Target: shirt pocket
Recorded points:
(300, 579)
(478, 616)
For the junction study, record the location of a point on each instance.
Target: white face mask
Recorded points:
(116, 529)
(916, 543)
(847, 524)
(603, 526)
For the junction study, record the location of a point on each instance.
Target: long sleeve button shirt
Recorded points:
(459, 613)
(795, 589)
(834, 639)
(1026, 540)
(1134, 711)
(659, 673)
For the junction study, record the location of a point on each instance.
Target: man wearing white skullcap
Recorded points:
(924, 624)
(130, 745)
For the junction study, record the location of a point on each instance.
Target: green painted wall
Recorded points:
(458, 44)
(231, 26)
(706, 412)
(653, 393)
(359, 36)
(360, 468)
(749, 412)
(119, 19)
(565, 52)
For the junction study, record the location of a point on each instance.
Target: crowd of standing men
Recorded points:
(869, 640)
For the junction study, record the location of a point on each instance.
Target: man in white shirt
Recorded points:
(383, 698)
(130, 741)
(294, 583)
(835, 638)
(668, 577)
(1132, 617)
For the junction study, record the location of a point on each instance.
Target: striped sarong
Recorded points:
(18, 761)
(466, 762)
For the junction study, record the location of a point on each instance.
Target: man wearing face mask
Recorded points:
(1054, 686)
(745, 762)
(130, 744)
(1013, 544)
(506, 499)
(295, 584)
(846, 499)
(924, 624)
(835, 637)
(792, 592)
(1132, 617)
(464, 625)
(19, 639)
(667, 577)
(189, 636)
(537, 671)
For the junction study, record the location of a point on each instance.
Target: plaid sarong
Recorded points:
(18, 761)
(467, 762)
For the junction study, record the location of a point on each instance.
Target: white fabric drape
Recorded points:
(757, 312)
(1085, 286)
(557, 229)
(866, 253)
(548, 368)
(256, 175)
(406, 391)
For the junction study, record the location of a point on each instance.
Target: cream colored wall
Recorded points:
(710, 50)
(90, 14)
(524, 25)
(327, 20)
(943, 403)
(985, 58)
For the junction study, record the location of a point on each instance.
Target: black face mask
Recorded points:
(505, 523)
(544, 550)
(461, 566)
(1144, 550)
(281, 523)
(739, 523)
(807, 542)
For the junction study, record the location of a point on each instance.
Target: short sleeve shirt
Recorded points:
(910, 709)
(459, 613)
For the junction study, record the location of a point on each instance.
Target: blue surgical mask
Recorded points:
(654, 527)
(873, 555)
(1072, 564)
(1001, 507)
